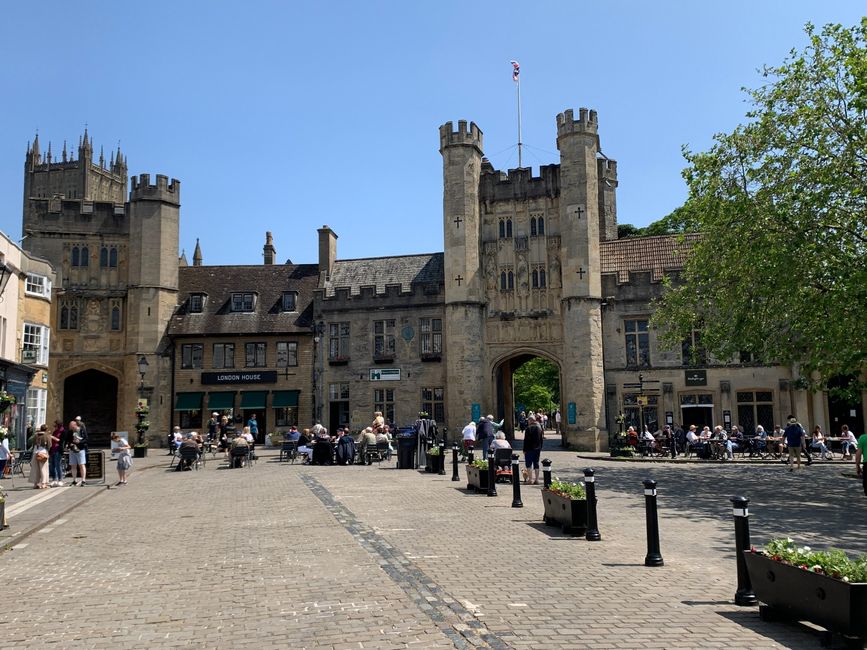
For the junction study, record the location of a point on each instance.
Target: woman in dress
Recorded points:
(39, 462)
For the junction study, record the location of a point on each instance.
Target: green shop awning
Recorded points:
(189, 402)
(284, 398)
(253, 399)
(221, 401)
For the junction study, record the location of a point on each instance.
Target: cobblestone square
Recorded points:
(288, 555)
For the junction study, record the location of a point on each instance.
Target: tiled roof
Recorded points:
(657, 255)
(267, 281)
(379, 272)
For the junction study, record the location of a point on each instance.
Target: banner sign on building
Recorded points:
(696, 377)
(385, 374)
(571, 413)
(240, 377)
(476, 412)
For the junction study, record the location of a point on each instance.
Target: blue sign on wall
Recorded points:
(476, 412)
(571, 415)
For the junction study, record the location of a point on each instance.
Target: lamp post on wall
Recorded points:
(5, 274)
(142, 371)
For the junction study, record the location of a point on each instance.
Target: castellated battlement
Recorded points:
(520, 184)
(162, 191)
(607, 169)
(465, 135)
(586, 122)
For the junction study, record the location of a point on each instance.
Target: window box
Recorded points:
(338, 361)
(383, 357)
(431, 356)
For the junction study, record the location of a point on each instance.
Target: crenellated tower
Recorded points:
(461, 150)
(580, 301)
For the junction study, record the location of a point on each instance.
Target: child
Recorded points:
(121, 449)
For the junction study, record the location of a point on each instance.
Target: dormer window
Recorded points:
(289, 300)
(197, 302)
(243, 302)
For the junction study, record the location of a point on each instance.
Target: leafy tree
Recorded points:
(537, 385)
(679, 221)
(782, 206)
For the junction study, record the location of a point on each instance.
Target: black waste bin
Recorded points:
(406, 449)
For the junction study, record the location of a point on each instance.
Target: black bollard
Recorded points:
(592, 534)
(470, 455)
(546, 472)
(442, 447)
(492, 476)
(744, 596)
(455, 449)
(516, 484)
(653, 557)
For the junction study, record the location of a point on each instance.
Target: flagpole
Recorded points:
(518, 83)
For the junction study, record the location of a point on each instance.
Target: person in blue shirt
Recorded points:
(795, 440)
(254, 426)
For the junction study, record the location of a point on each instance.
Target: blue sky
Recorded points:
(285, 116)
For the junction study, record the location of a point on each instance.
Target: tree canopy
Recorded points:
(537, 385)
(781, 203)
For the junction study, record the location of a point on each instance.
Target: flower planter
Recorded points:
(569, 514)
(477, 479)
(434, 463)
(798, 594)
(139, 452)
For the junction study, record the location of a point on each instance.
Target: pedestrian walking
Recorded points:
(861, 460)
(485, 434)
(795, 440)
(533, 439)
(120, 447)
(55, 455)
(76, 447)
(39, 461)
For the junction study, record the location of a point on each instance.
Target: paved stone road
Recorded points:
(283, 555)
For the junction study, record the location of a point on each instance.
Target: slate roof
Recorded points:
(657, 255)
(379, 272)
(267, 281)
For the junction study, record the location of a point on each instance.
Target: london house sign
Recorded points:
(262, 377)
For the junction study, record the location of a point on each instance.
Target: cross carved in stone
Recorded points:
(458, 221)
(579, 210)
(580, 272)
(459, 279)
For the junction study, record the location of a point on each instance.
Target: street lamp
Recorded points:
(5, 274)
(142, 370)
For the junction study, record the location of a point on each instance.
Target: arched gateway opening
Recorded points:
(525, 382)
(92, 395)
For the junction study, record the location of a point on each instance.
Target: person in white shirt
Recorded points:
(469, 435)
(849, 442)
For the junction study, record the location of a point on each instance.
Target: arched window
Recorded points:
(112, 258)
(75, 257)
(535, 279)
(533, 228)
(64, 318)
(85, 256)
(503, 280)
(103, 257)
(502, 229)
(542, 282)
(508, 227)
(511, 280)
(541, 225)
(115, 319)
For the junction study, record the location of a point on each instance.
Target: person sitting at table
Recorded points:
(238, 442)
(691, 435)
(632, 437)
(378, 422)
(385, 436)
(818, 443)
(293, 435)
(177, 438)
(345, 448)
(188, 442)
(366, 438)
(848, 443)
(737, 438)
(323, 451)
(305, 450)
(760, 442)
(705, 433)
(649, 440)
(720, 435)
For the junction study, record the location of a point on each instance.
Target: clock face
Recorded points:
(407, 333)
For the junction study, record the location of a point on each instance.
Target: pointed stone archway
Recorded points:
(503, 384)
(92, 394)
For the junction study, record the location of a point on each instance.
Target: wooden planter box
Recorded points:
(477, 479)
(569, 514)
(434, 463)
(797, 594)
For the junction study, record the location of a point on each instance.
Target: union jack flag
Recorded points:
(516, 70)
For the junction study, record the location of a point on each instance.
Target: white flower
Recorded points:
(845, 578)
